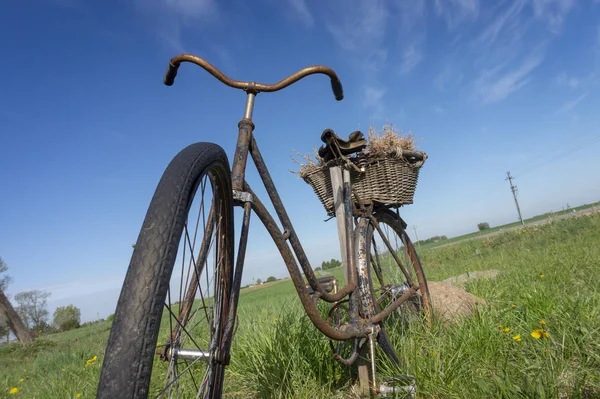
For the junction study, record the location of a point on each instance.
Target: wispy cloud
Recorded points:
(169, 17)
(301, 12)
(505, 20)
(373, 98)
(564, 80)
(569, 105)
(496, 84)
(410, 58)
(553, 12)
(455, 12)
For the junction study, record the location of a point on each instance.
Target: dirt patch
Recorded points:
(450, 303)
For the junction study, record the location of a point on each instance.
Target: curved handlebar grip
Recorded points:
(170, 74)
(338, 91)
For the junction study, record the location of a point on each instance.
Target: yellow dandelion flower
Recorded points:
(63, 369)
(513, 306)
(542, 323)
(275, 319)
(159, 343)
(13, 391)
(537, 334)
(22, 379)
(500, 326)
(517, 338)
(78, 396)
(506, 329)
(542, 275)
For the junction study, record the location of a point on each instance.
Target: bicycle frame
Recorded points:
(245, 197)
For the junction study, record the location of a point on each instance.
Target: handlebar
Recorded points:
(253, 87)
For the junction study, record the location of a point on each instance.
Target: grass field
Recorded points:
(549, 282)
(477, 234)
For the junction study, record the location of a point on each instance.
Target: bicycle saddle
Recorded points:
(336, 146)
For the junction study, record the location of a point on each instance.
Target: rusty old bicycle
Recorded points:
(172, 331)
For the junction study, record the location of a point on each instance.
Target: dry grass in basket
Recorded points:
(311, 164)
(389, 141)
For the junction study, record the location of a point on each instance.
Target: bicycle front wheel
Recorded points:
(391, 266)
(167, 335)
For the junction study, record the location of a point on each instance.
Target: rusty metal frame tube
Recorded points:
(240, 158)
(237, 277)
(392, 306)
(290, 262)
(293, 238)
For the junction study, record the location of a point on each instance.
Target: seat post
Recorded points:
(249, 106)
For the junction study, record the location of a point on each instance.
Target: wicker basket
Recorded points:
(386, 180)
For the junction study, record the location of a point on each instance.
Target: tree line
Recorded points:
(30, 316)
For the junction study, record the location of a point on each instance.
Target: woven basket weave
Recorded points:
(385, 180)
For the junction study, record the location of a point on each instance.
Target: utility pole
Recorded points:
(513, 188)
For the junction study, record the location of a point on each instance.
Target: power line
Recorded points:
(514, 190)
(559, 153)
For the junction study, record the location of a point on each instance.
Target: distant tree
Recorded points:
(330, 264)
(318, 268)
(271, 279)
(32, 308)
(258, 281)
(8, 313)
(4, 329)
(483, 226)
(67, 317)
(110, 317)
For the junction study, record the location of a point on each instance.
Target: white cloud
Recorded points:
(498, 83)
(456, 12)
(553, 12)
(373, 97)
(190, 8)
(302, 12)
(564, 80)
(410, 58)
(569, 105)
(505, 20)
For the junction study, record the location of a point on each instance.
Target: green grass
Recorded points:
(549, 272)
(476, 234)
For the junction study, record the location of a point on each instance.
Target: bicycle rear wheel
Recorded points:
(189, 224)
(391, 266)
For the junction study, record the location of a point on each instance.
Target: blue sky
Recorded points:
(87, 128)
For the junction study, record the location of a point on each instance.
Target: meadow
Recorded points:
(538, 336)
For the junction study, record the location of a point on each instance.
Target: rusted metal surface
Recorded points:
(367, 307)
(290, 262)
(293, 238)
(420, 276)
(394, 305)
(253, 87)
(237, 281)
(240, 158)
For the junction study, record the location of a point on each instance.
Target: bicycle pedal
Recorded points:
(400, 386)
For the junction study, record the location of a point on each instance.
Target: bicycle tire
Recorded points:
(367, 287)
(130, 353)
